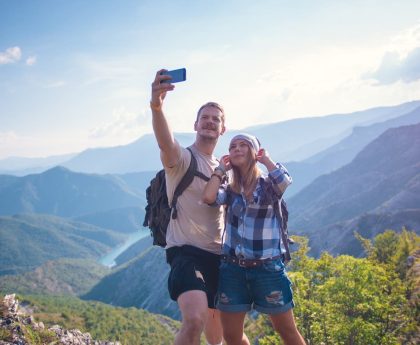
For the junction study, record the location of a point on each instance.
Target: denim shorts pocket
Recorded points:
(274, 266)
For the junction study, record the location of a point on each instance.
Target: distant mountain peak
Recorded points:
(58, 169)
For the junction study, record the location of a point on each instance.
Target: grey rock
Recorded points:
(12, 321)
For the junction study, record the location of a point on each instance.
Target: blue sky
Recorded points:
(77, 74)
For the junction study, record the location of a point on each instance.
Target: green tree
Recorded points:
(350, 301)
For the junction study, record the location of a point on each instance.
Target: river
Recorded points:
(108, 259)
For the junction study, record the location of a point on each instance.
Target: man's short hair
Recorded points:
(214, 105)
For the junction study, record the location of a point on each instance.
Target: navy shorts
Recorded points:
(193, 269)
(266, 288)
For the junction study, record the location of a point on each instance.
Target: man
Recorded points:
(194, 237)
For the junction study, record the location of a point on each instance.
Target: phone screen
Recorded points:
(177, 75)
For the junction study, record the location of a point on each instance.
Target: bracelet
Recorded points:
(155, 107)
(221, 169)
(218, 176)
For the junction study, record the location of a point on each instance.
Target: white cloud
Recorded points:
(125, 125)
(30, 61)
(333, 79)
(14, 144)
(11, 55)
(400, 60)
(115, 69)
(7, 137)
(394, 68)
(404, 42)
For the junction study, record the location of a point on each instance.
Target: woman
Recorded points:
(252, 271)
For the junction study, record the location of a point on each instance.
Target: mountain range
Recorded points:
(342, 153)
(384, 178)
(352, 172)
(61, 192)
(379, 189)
(291, 140)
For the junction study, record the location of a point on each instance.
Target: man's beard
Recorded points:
(208, 137)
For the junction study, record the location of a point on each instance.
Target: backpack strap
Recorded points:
(200, 174)
(284, 239)
(186, 180)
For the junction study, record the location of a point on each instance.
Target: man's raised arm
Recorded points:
(169, 147)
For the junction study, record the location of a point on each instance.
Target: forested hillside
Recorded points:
(141, 283)
(339, 300)
(56, 277)
(28, 241)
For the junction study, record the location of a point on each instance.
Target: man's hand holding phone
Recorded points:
(175, 76)
(162, 84)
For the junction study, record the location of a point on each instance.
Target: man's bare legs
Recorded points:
(233, 328)
(194, 312)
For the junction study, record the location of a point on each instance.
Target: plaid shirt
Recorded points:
(252, 229)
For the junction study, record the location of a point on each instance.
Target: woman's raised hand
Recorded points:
(225, 163)
(264, 158)
(262, 155)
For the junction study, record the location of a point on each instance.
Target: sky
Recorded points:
(77, 74)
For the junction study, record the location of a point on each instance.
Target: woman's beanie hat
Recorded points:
(250, 139)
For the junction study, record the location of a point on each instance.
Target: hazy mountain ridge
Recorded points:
(119, 160)
(339, 240)
(124, 219)
(62, 192)
(24, 166)
(344, 151)
(384, 168)
(288, 140)
(138, 181)
(301, 138)
(7, 180)
(360, 137)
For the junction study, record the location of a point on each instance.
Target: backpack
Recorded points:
(158, 210)
(282, 215)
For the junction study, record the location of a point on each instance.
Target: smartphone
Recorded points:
(176, 75)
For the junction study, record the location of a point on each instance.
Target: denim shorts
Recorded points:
(266, 288)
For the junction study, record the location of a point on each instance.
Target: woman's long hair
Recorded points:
(246, 184)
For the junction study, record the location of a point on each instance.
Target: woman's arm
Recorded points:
(278, 174)
(212, 187)
(280, 179)
(216, 179)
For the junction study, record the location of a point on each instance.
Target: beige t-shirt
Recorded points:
(196, 224)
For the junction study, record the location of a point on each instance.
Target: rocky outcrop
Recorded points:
(16, 328)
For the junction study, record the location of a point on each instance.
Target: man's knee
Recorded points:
(194, 322)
